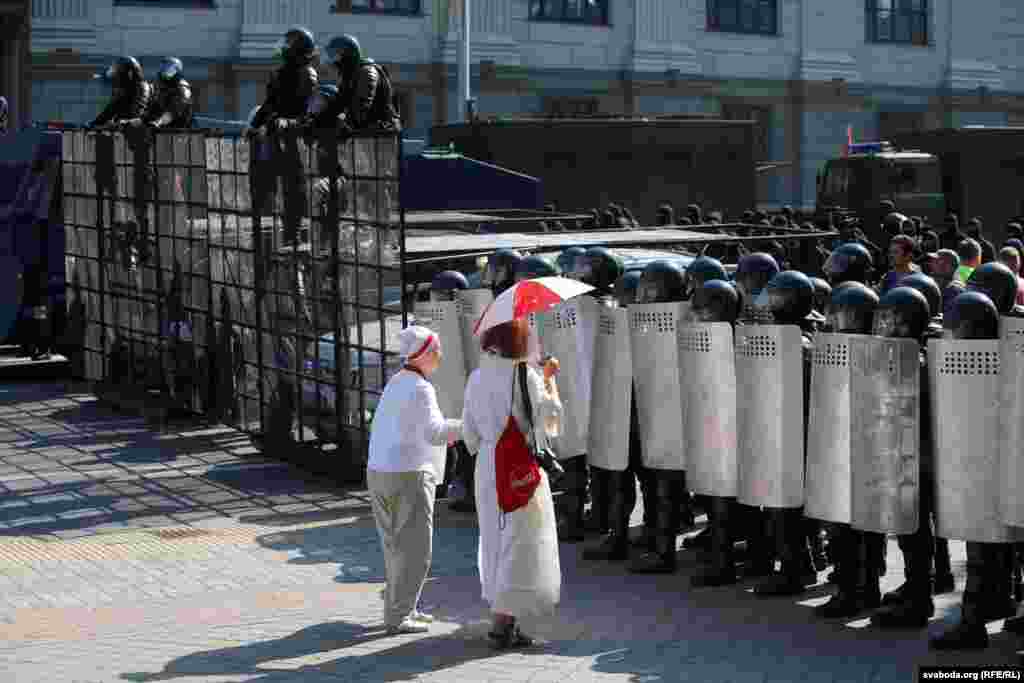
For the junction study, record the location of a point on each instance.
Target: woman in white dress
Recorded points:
(518, 555)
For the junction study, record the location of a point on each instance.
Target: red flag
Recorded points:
(849, 139)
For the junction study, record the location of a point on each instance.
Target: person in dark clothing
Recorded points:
(951, 236)
(901, 249)
(289, 92)
(665, 215)
(988, 250)
(694, 213)
(130, 93)
(171, 103)
(1014, 230)
(365, 95)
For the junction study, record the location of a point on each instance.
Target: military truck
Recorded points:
(638, 162)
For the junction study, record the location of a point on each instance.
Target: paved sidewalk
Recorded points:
(130, 554)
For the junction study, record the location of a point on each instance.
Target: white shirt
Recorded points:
(409, 433)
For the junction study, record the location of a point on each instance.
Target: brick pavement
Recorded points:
(130, 554)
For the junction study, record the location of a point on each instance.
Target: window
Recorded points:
(897, 21)
(577, 11)
(743, 16)
(378, 6)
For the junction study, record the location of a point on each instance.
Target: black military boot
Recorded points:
(571, 502)
(968, 634)
(721, 571)
(596, 520)
(663, 559)
(648, 493)
(615, 545)
(999, 564)
(795, 570)
(760, 556)
(943, 580)
(845, 549)
(859, 589)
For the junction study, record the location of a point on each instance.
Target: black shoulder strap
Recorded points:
(526, 395)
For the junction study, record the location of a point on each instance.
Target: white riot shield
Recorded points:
(472, 304)
(885, 400)
(827, 484)
(1011, 449)
(450, 378)
(966, 416)
(769, 415)
(610, 398)
(566, 332)
(659, 403)
(707, 380)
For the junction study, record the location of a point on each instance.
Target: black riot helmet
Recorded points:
(902, 313)
(998, 282)
(822, 294)
(627, 286)
(972, 315)
(345, 52)
(171, 70)
(567, 259)
(661, 282)
(702, 269)
(849, 261)
(535, 266)
(716, 301)
(446, 283)
(928, 287)
(599, 268)
(852, 309)
(297, 47)
(124, 75)
(753, 272)
(500, 272)
(788, 297)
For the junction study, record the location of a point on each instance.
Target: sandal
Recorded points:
(509, 637)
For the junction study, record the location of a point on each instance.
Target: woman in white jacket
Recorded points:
(407, 451)
(518, 553)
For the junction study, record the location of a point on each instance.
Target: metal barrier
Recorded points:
(255, 281)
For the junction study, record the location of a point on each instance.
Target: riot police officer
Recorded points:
(566, 260)
(787, 299)
(365, 96)
(717, 301)
(289, 92)
(822, 295)
(662, 282)
(849, 262)
(130, 93)
(973, 315)
(171, 103)
(753, 272)
(701, 270)
(930, 289)
(500, 271)
(599, 268)
(998, 282)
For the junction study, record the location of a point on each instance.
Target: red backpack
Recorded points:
(517, 473)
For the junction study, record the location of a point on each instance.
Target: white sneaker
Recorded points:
(408, 626)
(422, 617)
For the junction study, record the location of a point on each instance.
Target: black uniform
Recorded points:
(365, 95)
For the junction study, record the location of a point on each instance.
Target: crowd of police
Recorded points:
(763, 361)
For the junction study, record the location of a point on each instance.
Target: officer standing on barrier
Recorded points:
(787, 299)
(986, 596)
(365, 96)
(599, 268)
(130, 93)
(717, 301)
(289, 92)
(662, 282)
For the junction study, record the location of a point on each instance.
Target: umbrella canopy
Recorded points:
(526, 297)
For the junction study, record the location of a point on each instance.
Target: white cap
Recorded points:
(416, 340)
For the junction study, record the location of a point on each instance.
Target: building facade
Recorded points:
(804, 69)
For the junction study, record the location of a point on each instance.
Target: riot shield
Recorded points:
(885, 392)
(450, 378)
(966, 416)
(827, 484)
(472, 304)
(566, 332)
(1011, 449)
(707, 380)
(659, 403)
(610, 405)
(769, 415)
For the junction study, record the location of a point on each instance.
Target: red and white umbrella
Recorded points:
(526, 297)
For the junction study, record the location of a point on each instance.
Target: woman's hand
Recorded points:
(551, 367)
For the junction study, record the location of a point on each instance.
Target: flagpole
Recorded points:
(464, 70)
